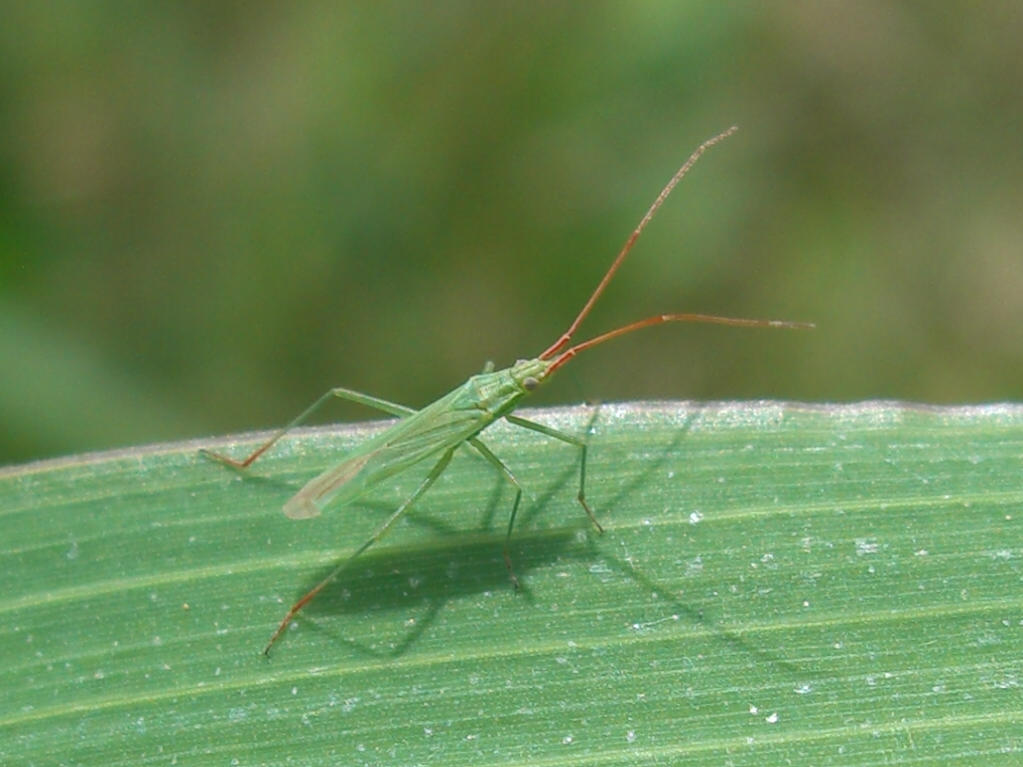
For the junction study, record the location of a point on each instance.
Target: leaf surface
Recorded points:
(777, 584)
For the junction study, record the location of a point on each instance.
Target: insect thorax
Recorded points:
(499, 392)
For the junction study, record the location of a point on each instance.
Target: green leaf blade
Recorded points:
(777, 584)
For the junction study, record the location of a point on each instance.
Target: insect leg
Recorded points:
(340, 392)
(505, 472)
(556, 434)
(379, 533)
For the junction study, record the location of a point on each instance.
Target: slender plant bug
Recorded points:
(457, 419)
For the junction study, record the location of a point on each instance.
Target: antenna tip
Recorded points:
(720, 137)
(793, 325)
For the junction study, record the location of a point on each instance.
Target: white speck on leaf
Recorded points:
(865, 546)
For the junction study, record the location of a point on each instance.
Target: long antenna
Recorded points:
(567, 335)
(659, 319)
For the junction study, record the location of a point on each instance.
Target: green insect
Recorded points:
(456, 420)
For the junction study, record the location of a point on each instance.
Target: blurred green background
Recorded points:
(212, 212)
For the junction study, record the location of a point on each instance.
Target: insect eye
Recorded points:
(529, 383)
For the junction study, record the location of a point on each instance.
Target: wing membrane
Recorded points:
(409, 441)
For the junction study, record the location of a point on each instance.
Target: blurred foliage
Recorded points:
(210, 213)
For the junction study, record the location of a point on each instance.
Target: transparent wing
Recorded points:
(307, 502)
(425, 433)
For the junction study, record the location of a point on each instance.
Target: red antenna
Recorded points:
(560, 344)
(658, 319)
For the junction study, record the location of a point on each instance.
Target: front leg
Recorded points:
(556, 434)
